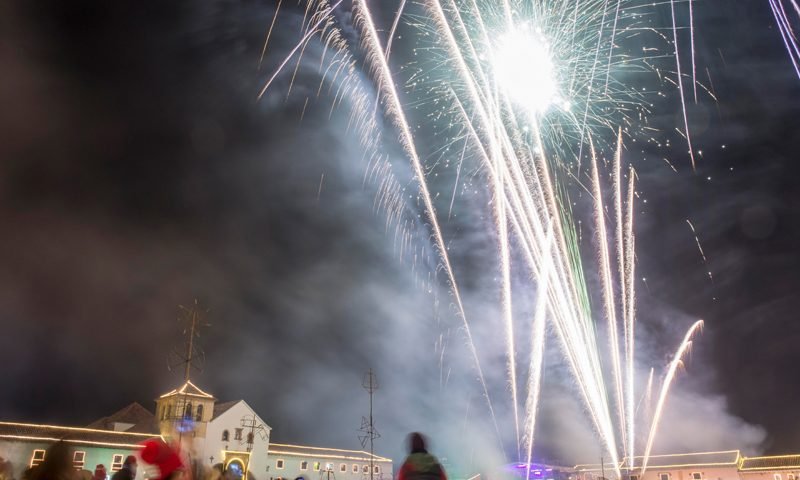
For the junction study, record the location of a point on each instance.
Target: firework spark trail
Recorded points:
(630, 315)
(691, 40)
(527, 198)
(537, 351)
(789, 28)
(590, 85)
(458, 175)
(611, 44)
(508, 316)
(680, 85)
(396, 22)
(608, 288)
(697, 241)
(662, 396)
(269, 34)
(395, 112)
(787, 35)
(308, 35)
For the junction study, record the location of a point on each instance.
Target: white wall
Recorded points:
(231, 420)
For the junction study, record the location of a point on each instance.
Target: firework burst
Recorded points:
(532, 90)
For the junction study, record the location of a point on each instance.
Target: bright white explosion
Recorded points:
(524, 68)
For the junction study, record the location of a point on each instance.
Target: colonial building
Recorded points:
(780, 467)
(314, 463)
(723, 465)
(25, 445)
(211, 432)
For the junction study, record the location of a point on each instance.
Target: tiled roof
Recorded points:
(83, 436)
(771, 463)
(305, 451)
(188, 389)
(142, 420)
(221, 408)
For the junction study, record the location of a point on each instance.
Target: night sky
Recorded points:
(139, 172)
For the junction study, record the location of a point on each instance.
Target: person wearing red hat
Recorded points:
(168, 460)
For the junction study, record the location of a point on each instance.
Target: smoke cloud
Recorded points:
(143, 173)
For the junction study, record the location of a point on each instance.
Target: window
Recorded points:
(365, 469)
(237, 435)
(343, 469)
(697, 476)
(303, 465)
(376, 469)
(78, 460)
(328, 467)
(279, 464)
(790, 476)
(37, 457)
(316, 467)
(250, 438)
(634, 477)
(355, 468)
(776, 476)
(226, 435)
(187, 412)
(663, 476)
(116, 462)
(199, 413)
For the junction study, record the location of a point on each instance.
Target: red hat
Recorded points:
(156, 452)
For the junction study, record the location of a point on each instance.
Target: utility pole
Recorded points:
(328, 472)
(370, 384)
(602, 467)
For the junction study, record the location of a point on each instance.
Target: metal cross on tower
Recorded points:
(250, 422)
(369, 433)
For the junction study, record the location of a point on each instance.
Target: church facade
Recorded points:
(210, 432)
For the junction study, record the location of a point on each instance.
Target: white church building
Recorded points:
(211, 432)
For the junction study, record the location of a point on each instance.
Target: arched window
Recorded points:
(376, 469)
(199, 413)
(225, 435)
(250, 438)
(187, 413)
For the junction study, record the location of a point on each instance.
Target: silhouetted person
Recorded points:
(420, 465)
(6, 470)
(100, 472)
(128, 470)
(57, 465)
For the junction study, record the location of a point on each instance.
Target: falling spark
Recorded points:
(662, 396)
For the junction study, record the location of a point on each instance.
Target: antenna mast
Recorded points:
(370, 433)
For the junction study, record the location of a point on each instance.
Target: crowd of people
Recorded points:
(167, 461)
(172, 465)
